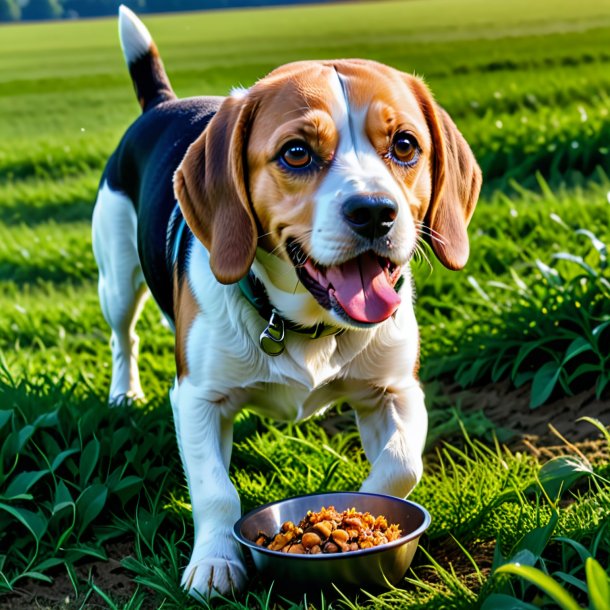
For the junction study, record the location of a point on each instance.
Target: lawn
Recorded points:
(93, 507)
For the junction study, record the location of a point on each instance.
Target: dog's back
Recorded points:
(142, 167)
(136, 203)
(144, 162)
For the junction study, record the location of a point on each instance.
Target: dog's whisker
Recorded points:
(420, 251)
(430, 232)
(436, 238)
(277, 248)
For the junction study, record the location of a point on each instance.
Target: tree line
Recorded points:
(37, 10)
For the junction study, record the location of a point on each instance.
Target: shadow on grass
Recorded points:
(65, 271)
(65, 210)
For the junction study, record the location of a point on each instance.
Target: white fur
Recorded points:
(121, 287)
(205, 434)
(371, 369)
(135, 38)
(239, 93)
(356, 168)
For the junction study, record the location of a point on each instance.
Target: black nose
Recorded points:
(370, 215)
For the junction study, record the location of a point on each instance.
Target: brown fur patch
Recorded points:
(186, 309)
(210, 185)
(294, 108)
(456, 183)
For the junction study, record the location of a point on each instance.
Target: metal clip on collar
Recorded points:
(272, 338)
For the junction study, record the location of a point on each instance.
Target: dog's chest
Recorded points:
(289, 402)
(307, 378)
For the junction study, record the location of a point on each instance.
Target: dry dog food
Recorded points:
(329, 531)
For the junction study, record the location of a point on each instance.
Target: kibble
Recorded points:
(324, 528)
(329, 531)
(311, 539)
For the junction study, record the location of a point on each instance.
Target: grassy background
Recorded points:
(526, 82)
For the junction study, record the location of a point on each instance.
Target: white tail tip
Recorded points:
(135, 38)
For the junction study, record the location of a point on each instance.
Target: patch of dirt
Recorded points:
(595, 451)
(109, 576)
(509, 408)
(448, 554)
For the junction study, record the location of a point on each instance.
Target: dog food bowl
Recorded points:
(383, 565)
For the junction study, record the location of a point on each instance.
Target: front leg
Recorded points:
(205, 437)
(393, 430)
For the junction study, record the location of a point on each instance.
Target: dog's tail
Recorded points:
(145, 66)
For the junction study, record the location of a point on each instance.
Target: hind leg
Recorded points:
(121, 287)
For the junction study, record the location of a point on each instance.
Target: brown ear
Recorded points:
(456, 183)
(210, 186)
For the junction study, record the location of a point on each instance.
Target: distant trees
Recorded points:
(14, 10)
(94, 8)
(42, 9)
(9, 10)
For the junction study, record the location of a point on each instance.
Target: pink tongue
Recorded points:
(363, 290)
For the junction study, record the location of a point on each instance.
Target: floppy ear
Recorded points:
(211, 187)
(456, 183)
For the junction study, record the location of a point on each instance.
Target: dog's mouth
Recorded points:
(362, 290)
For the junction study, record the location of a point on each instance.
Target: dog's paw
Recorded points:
(122, 399)
(212, 576)
(395, 477)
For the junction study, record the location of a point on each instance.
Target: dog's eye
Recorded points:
(405, 149)
(296, 155)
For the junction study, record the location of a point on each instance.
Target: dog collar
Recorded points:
(271, 340)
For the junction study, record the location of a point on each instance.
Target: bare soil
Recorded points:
(450, 556)
(509, 408)
(109, 576)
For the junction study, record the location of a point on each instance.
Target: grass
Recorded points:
(549, 330)
(77, 476)
(528, 84)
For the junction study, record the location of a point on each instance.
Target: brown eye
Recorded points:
(405, 149)
(296, 155)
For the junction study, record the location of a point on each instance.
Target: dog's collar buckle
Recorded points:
(271, 339)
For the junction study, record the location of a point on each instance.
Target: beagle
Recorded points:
(274, 229)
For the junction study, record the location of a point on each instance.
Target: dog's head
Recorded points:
(336, 168)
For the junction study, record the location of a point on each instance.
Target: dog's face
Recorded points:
(337, 168)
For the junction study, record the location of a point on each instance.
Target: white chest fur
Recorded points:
(227, 365)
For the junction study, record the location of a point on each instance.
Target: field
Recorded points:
(93, 507)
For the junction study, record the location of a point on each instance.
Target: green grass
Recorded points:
(551, 330)
(527, 83)
(76, 476)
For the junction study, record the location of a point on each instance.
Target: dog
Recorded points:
(274, 228)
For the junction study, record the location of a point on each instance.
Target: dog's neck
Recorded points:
(286, 293)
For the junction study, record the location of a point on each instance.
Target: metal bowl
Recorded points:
(383, 565)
